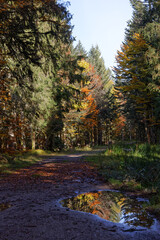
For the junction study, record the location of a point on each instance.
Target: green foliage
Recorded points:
(38, 65)
(137, 72)
(20, 160)
(96, 60)
(131, 166)
(17, 162)
(79, 50)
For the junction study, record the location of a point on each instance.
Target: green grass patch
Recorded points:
(11, 162)
(90, 148)
(115, 182)
(37, 152)
(86, 148)
(17, 162)
(131, 167)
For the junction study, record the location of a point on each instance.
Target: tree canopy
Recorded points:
(137, 71)
(54, 94)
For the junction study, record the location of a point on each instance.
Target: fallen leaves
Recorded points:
(55, 173)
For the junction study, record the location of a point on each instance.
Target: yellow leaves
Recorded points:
(136, 36)
(122, 55)
(82, 63)
(133, 71)
(138, 41)
(84, 104)
(130, 50)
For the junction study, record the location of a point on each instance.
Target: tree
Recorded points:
(5, 104)
(34, 57)
(79, 50)
(137, 71)
(134, 73)
(95, 59)
(103, 95)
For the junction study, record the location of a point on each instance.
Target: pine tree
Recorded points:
(79, 50)
(35, 53)
(138, 70)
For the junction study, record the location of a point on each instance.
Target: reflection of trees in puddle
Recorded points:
(4, 206)
(112, 206)
(110, 202)
(134, 214)
(83, 202)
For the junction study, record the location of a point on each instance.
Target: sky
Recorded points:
(101, 22)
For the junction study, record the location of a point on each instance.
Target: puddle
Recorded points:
(4, 206)
(112, 206)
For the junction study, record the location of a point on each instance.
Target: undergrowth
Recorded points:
(131, 167)
(12, 161)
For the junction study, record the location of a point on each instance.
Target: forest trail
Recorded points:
(35, 213)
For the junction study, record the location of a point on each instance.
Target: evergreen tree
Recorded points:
(138, 69)
(35, 53)
(79, 50)
(95, 58)
(103, 95)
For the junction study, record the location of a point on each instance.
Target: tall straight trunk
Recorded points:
(2, 144)
(158, 135)
(149, 4)
(153, 139)
(91, 134)
(95, 135)
(99, 133)
(147, 132)
(33, 139)
(106, 135)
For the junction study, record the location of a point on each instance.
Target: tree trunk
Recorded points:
(147, 132)
(95, 135)
(33, 139)
(99, 133)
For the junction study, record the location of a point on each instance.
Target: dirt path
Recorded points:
(36, 214)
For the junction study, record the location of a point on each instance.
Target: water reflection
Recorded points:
(4, 206)
(112, 206)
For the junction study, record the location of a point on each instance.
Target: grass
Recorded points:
(125, 166)
(132, 167)
(11, 162)
(138, 163)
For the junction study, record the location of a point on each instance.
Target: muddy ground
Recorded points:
(35, 213)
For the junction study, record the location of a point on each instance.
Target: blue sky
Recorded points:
(101, 22)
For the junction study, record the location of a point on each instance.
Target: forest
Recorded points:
(70, 125)
(55, 95)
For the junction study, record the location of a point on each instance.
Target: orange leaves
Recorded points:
(88, 103)
(55, 173)
(84, 119)
(85, 90)
(119, 125)
(95, 203)
(91, 112)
